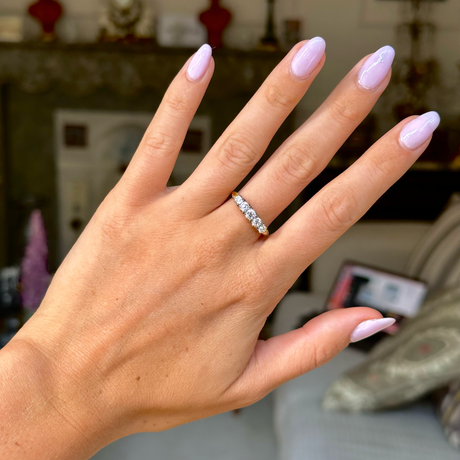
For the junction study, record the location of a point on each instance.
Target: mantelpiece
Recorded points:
(81, 69)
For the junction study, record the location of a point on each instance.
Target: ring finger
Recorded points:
(308, 151)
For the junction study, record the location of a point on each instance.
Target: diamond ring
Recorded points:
(250, 214)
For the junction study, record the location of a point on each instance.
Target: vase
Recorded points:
(216, 18)
(269, 42)
(47, 13)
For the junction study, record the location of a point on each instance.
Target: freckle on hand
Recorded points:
(138, 378)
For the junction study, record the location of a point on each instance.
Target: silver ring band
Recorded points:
(250, 214)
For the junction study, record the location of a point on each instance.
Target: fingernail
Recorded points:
(308, 57)
(199, 63)
(416, 133)
(376, 68)
(370, 327)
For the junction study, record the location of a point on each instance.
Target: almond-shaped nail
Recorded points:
(308, 57)
(370, 327)
(199, 63)
(417, 132)
(376, 68)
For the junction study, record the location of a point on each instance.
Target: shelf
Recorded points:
(129, 69)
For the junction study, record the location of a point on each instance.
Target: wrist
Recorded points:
(43, 420)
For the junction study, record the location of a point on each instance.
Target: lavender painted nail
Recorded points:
(416, 133)
(376, 68)
(370, 327)
(199, 63)
(308, 57)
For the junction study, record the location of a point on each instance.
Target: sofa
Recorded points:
(304, 430)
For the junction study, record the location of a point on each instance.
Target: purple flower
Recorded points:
(35, 278)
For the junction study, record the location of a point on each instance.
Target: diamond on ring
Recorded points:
(244, 206)
(239, 200)
(250, 214)
(259, 225)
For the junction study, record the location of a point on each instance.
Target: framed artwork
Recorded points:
(396, 296)
(93, 149)
(11, 28)
(180, 30)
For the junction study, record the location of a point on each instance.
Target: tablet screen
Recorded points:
(393, 295)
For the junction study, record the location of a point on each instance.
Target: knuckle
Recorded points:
(115, 224)
(177, 102)
(278, 99)
(345, 111)
(338, 209)
(257, 280)
(296, 165)
(238, 150)
(211, 251)
(323, 353)
(158, 144)
(382, 166)
(262, 272)
(257, 277)
(245, 395)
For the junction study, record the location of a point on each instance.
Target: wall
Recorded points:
(352, 29)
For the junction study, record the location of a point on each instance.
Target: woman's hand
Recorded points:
(154, 316)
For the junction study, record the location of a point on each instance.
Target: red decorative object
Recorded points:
(215, 19)
(47, 12)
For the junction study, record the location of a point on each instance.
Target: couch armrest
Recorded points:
(385, 245)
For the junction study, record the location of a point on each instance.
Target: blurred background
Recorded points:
(81, 80)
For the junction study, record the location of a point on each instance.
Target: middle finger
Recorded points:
(308, 151)
(243, 143)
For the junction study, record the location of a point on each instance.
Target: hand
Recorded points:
(154, 316)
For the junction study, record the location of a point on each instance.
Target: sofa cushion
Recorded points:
(436, 259)
(454, 276)
(306, 432)
(449, 410)
(423, 356)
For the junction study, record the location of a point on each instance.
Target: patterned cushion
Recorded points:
(425, 355)
(436, 259)
(449, 411)
(454, 275)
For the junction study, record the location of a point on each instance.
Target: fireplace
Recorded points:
(93, 149)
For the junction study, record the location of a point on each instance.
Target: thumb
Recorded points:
(282, 358)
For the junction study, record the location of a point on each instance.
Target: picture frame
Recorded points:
(12, 29)
(180, 31)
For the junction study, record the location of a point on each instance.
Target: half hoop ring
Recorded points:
(250, 214)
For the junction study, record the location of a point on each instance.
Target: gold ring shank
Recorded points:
(250, 214)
